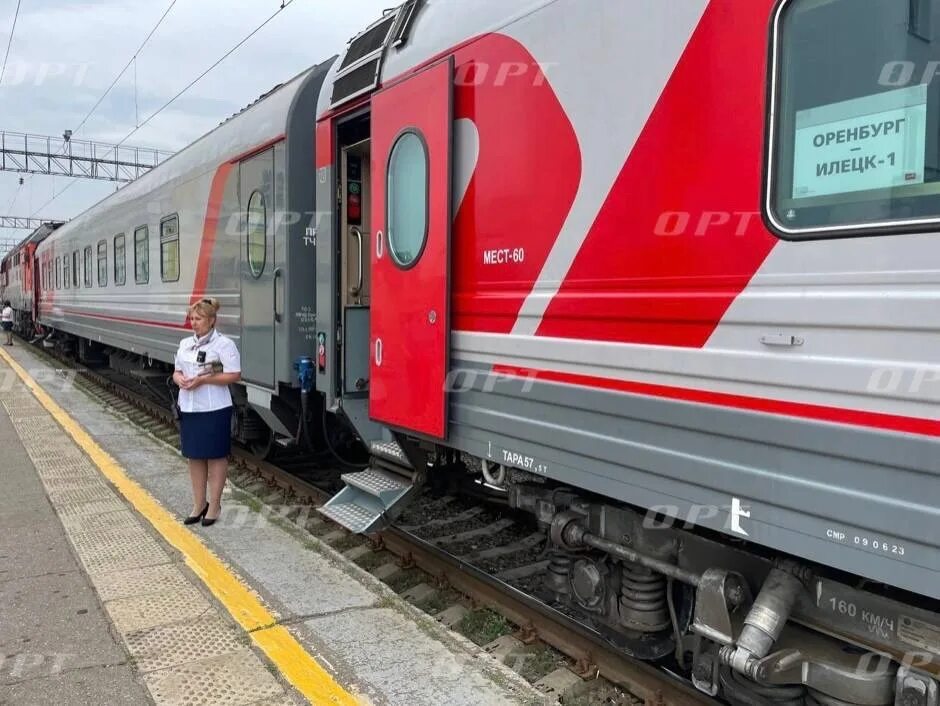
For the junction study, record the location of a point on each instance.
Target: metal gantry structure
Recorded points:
(24, 223)
(63, 156)
(8, 242)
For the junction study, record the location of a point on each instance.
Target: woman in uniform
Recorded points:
(206, 364)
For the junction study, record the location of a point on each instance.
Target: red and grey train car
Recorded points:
(228, 217)
(662, 273)
(18, 282)
(644, 261)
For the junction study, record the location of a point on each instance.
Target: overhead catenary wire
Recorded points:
(284, 5)
(196, 80)
(130, 61)
(16, 16)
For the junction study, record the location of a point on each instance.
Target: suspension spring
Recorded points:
(558, 573)
(643, 599)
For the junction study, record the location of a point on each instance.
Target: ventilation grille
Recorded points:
(408, 13)
(356, 82)
(359, 71)
(369, 42)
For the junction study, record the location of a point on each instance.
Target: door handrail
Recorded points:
(355, 291)
(277, 275)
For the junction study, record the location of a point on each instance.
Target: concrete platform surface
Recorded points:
(375, 644)
(56, 644)
(94, 607)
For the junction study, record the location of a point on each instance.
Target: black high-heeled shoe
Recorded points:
(193, 519)
(209, 521)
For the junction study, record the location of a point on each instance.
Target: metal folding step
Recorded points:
(367, 502)
(390, 451)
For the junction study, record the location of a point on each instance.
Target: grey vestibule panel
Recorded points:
(259, 269)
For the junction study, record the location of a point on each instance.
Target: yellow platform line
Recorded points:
(288, 655)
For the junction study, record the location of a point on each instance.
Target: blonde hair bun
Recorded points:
(207, 306)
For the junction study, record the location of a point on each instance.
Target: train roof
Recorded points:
(42, 232)
(410, 35)
(262, 121)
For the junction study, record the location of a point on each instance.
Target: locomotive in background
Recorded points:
(17, 278)
(661, 275)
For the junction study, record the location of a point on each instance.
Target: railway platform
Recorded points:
(108, 598)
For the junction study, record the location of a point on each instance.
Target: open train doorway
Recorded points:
(391, 244)
(355, 270)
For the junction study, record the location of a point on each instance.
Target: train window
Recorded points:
(407, 199)
(855, 127)
(120, 261)
(58, 273)
(102, 263)
(170, 249)
(66, 276)
(257, 233)
(75, 264)
(87, 264)
(142, 255)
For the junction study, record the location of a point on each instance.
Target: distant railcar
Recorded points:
(19, 283)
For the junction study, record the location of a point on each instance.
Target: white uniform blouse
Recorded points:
(219, 350)
(7, 314)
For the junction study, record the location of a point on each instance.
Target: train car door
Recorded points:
(259, 273)
(412, 125)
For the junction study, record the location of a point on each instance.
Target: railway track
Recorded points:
(444, 553)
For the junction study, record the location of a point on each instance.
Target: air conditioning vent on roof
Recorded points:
(356, 82)
(408, 13)
(359, 71)
(369, 42)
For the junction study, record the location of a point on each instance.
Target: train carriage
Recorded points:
(20, 278)
(639, 260)
(228, 217)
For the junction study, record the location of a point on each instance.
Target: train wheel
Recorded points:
(262, 447)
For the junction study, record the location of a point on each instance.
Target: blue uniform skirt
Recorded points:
(206, 435)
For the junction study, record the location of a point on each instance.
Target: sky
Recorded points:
(65, 54)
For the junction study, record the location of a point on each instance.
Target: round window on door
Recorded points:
(407, 199)
(257, 233)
